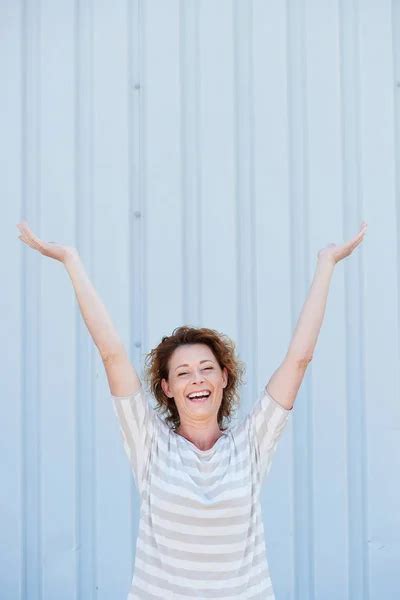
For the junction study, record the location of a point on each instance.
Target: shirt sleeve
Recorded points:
(136, 419)
(267, 420)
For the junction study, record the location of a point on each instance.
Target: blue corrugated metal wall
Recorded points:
(198, 154)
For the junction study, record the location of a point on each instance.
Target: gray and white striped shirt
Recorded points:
(201, 533)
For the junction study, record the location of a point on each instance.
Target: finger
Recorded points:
(23, 238)
(34, 238)
(349, 247)
(27, 241)
(29, 232)
(22, 225)
(363, 229)
(357, 243)
(30, 242)
(358, 237)
(24, 229)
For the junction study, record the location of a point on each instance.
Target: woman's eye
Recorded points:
(184, 372)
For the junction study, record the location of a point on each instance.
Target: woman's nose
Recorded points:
(198, 376)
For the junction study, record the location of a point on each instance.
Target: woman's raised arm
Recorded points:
(122, 377)
(286, 380)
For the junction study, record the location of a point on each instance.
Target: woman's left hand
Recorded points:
(334, 253)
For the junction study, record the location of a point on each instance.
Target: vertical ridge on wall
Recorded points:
(298, 175)
(135, 210)
(200, 151)
(217, 168)
(141, 264)
(396, 105)
(142, 26)
(352, 213)
(13, 299)
(380, 298)
(56, 334)
(327, 381)
(31, 525)
(246, 264)
(190, 157)
(112, 276)
(85, 546)
(273, 264)
(395, 15)
(164, 223)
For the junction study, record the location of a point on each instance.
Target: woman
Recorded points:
(200, 532)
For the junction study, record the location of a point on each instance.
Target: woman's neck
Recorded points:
(202, 437)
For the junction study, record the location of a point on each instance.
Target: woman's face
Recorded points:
(192, 368)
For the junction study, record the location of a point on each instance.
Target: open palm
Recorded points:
(335, 252)
(51, 249)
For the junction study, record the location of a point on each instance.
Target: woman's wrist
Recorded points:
(326, 261)
(71, 256)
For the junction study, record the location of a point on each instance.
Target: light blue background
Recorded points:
(199, 154)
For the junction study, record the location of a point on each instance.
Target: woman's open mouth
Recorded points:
(202, 397)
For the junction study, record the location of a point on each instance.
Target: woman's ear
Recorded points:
(165, 388)
(225, 376)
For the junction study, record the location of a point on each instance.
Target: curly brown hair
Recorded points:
(224, 350)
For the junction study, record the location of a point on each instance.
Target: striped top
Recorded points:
(201, 533)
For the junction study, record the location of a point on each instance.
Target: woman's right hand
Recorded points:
(51, 249)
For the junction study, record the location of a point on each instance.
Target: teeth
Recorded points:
(199, 395)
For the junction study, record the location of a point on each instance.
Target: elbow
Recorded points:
(304, 361)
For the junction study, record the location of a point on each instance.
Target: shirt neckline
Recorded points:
(224, 434)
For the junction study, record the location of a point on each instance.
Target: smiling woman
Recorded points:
(199, 386)
(201, 531)
(189, 352)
